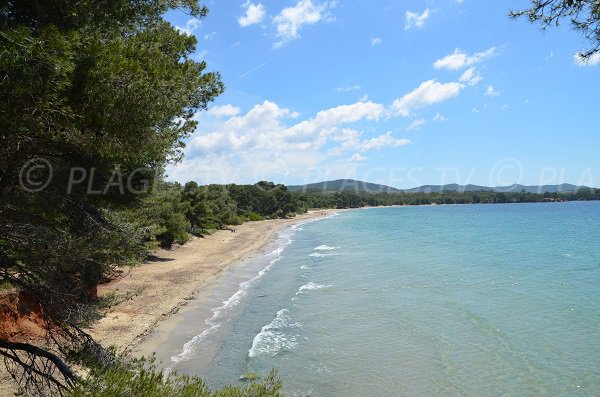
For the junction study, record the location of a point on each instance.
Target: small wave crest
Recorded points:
(312, 287)
(273, 339)
(322, 255)
(218, 312)
(325, 247)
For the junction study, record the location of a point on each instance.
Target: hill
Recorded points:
(343, 185)
(351, 185)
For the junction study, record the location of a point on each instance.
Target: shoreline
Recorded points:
(173, 279)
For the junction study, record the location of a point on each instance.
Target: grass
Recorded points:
(249, 377)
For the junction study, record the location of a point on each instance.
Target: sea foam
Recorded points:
(325, 248)
(312, 287)
(213, 322)
(322, 255)
(272, 338)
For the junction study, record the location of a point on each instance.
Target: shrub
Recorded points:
(141, 378)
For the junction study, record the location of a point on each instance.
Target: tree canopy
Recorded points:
(584, 16)
(96, 96)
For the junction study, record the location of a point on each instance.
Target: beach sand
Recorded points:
(163, 285)
(171, 280)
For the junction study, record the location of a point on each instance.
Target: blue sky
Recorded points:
(403, 93)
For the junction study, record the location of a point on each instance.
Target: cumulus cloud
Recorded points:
(224, 111)
(490, 91)
(268, 142)
(210, 36)
(350, 141)
(414, 20)
(591, 61)
(264, 127)
(190, 26)
(459, 60)
(428, 93)
(290, 20)
(439, 117)
(272, 142)
(375, 41)
(327, 121)
(470, 77)
(357, 157)
(416, 124)
(255, 13)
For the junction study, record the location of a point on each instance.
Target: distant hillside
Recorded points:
(343, 185)
(351, 185)
(565, 187)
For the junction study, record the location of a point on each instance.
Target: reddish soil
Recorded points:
(21, 317)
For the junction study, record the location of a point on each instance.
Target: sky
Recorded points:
(403, 93)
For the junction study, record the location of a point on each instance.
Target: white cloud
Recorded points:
(385, 140)
(201, 55)
(439, 117)
(327, 121)
(505, 106)
(475, 110)
(267, 142)
(349, 88)
(350, 141)
(470, 77)
(263, 127)
(591, 61)
(428, 93)
(357, 157)
(416, 124)
(414, 20)
(255, 13)
(458, 59)
(210, 36)
(190, 26)
(291, 19)
(490, 91)
(375, 41)
(224, 111)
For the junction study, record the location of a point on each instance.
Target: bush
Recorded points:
(141, 378)
(235, 220)
(253, 216)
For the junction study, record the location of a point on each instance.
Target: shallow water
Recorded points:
(477, 300)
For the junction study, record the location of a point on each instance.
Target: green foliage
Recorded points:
(103, 90)
(140, 378)
(252, 216)
(584, 16)
(356, 200)
(250, 376)
(162, 215)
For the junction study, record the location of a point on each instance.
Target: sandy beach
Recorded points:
(171, 279)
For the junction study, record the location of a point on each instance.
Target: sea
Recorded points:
(449, 300)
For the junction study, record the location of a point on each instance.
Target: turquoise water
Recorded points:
(472, 300)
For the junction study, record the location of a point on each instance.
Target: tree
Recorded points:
(162, 215)
(95, 98)
(584, 16)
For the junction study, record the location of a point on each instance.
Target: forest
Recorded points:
(173, 211)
